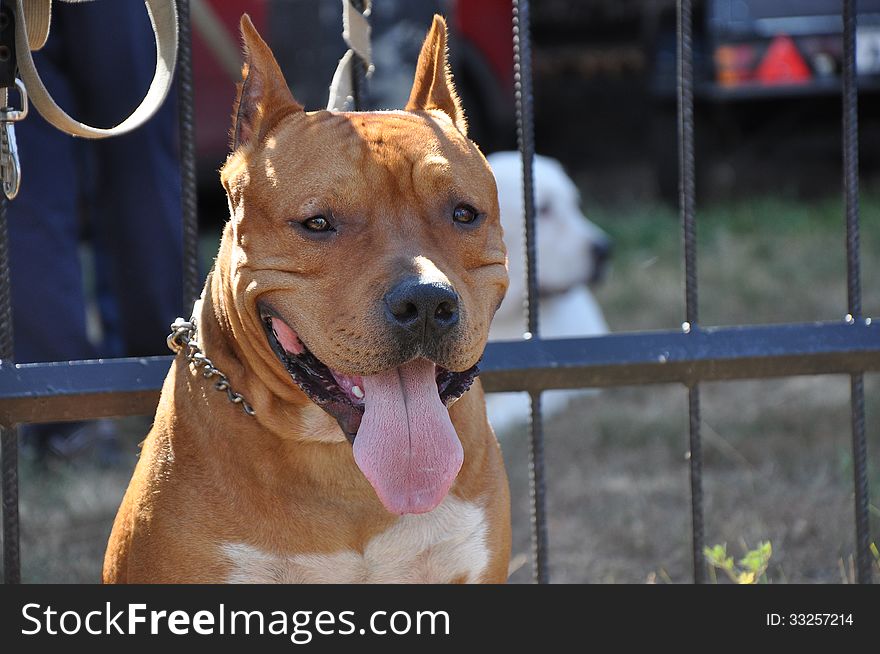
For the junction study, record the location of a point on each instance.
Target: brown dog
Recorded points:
(349, 305)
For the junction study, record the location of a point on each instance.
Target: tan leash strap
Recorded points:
(33, 20)
(356, 32)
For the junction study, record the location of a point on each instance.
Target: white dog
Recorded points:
(572, 253)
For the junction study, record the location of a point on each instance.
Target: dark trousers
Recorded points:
(123, 192)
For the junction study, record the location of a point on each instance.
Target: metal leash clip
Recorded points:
(10, 167)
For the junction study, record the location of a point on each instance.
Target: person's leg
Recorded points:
(49, 318)
(141, 220)
(136, 191)
(48, 301)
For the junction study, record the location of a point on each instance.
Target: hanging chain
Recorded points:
(183, 339)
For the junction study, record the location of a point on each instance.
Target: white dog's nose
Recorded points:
(600, 251)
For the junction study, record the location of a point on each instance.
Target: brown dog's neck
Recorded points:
(237, 346)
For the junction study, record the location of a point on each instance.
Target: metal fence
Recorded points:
(74, 390)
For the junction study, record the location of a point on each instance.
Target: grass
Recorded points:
(762, 260)
(777, 452)
(67, 510)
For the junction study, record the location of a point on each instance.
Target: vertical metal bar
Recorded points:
(860, 480)
(522, 72)
(189, 197)
(686, 184)
(687, 195)
(11, 538)
(6, 334)
(851, 160)
(695, 458)
(8, 436)
(359, 69)
(537, 490)
(853, 286)
(522, 75)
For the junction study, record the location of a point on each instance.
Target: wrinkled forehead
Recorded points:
(396, 148)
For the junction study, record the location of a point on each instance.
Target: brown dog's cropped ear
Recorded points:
(433, 87)
(263, 97)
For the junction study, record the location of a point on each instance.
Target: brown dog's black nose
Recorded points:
(422, 308)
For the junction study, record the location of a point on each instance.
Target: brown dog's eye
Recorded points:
(317, 224)
(465, 215)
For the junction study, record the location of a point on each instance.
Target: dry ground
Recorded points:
(777, 453)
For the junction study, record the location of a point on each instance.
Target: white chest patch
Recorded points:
(447, 544)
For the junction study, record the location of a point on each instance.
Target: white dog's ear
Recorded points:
(263, 97)
(433, 87)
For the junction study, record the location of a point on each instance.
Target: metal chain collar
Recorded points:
(183, 338)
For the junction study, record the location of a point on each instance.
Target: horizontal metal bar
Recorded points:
(706, 354)
(77, 390)
(48, 392)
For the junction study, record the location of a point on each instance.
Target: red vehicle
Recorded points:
(611, 56)
(215, 87)
(306, 38)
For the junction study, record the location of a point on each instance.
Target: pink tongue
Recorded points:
(406, 445)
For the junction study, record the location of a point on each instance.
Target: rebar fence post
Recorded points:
(188, 190)
(522, 75)
(853, 284)
(8, 432)
(687, 195)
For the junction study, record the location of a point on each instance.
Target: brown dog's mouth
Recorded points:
(342, 396)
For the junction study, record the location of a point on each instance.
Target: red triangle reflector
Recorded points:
(783, 64)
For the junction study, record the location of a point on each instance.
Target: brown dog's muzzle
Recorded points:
(422, 320)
